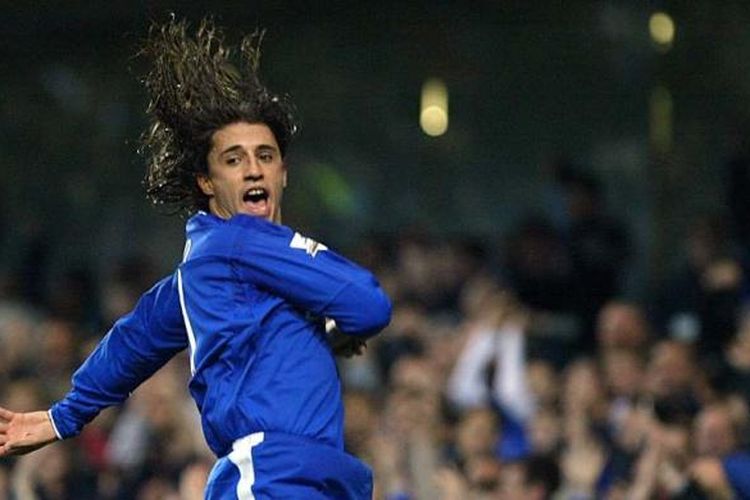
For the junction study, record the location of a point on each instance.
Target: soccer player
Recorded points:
(250, 300)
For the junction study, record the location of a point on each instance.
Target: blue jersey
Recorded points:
(248, 301)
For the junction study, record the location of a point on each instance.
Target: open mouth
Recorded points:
(255, 195)
(256, 201)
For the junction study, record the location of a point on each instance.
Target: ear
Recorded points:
(284, 176)
(205, 184)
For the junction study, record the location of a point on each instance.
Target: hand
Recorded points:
(22, 433)
(346, 345)
(389, 456)
(342, 344)
(451, 483)
(710, 475)
(647, 469)
(582, 463)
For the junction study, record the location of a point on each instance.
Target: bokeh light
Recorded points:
(662, 29)
(433, 116)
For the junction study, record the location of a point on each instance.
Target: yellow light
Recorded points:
(433, 115)
(434, 121)
(662, 29)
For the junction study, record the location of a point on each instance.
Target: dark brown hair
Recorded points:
(196, 86)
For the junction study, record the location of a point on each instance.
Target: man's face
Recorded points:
(246, 173)
(714, 433)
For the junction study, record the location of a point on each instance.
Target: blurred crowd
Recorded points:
(517, 370)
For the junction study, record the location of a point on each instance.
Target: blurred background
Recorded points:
(533, 167)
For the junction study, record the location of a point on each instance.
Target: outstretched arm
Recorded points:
(137, 345)
(22, 433)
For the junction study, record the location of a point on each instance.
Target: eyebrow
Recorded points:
(267, 147)
(231, 149)
(237, 147)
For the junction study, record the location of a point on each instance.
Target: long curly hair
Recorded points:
(196, 86)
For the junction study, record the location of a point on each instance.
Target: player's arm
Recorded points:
(311, 277)
(137, 345)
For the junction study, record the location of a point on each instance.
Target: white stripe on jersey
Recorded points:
(186, 319)
(54, 426)
(242, 457)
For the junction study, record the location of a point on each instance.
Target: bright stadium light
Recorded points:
(433, 115)
(662, 29)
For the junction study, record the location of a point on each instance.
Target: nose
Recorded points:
(253, 171)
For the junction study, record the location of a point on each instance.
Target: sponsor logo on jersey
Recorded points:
(309, 245)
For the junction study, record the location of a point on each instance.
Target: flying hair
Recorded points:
(197, 84)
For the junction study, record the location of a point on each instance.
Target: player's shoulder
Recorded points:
(258, 224)
(258, 231)
(208, 235)
(210, 232)
(203, 221)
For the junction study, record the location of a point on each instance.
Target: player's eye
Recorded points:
(265, 156)
(233, 160)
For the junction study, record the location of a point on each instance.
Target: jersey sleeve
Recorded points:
(311, 277)
(137, 345)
